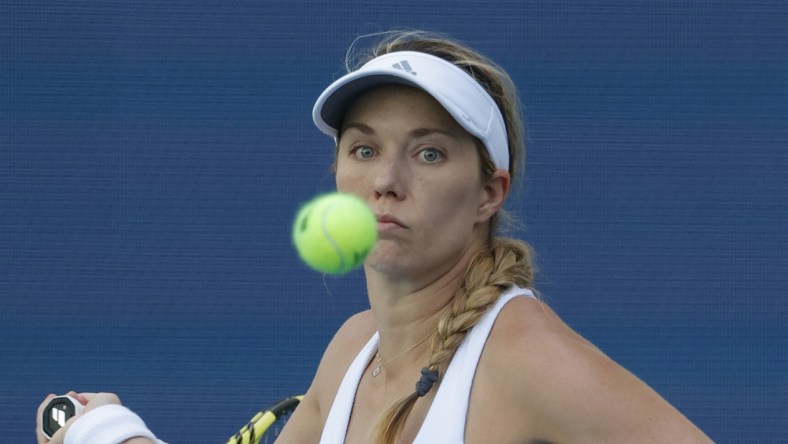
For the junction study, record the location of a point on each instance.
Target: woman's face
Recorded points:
(419, 171)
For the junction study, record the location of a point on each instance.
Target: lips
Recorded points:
(387, 221)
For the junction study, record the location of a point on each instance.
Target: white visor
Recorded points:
(462, 96)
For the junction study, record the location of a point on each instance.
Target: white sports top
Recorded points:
(445, 421)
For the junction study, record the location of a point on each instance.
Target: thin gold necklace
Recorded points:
(376, 369)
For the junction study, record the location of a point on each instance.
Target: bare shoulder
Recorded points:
(549, 373)
(306, 424)
(352, 335)
(533, 328)
(340, 353)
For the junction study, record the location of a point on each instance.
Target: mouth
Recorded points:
(387, 221)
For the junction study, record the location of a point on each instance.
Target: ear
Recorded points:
(493, 194)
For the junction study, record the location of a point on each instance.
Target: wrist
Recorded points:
(109, 424)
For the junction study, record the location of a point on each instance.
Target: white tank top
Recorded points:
(445, 421)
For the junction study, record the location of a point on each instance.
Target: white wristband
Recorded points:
(108, 424)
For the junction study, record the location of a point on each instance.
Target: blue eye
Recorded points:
(363, 152)
(430, 154)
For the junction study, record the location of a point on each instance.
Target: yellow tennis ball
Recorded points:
(334, 232)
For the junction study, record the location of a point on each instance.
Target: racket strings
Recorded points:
(276, 428)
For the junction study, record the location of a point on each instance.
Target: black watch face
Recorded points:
(56, 414)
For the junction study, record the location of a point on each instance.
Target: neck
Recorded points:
(406, 311)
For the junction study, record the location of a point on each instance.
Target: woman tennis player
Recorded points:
(455, 347)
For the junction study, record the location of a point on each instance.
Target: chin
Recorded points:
(389, 262)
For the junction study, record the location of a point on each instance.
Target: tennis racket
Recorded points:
(265, 426)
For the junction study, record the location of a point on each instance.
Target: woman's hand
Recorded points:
(89, 400)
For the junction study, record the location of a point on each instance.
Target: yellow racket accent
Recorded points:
(254, 430)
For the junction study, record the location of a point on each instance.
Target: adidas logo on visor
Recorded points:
(404, 66)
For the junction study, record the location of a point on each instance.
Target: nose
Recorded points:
(390, 178)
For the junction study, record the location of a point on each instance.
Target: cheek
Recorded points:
(457, 202)
(349, 180)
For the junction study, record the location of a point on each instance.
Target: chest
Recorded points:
(487, 419)
(372, 402)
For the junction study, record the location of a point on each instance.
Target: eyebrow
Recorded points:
(366, 129)
(418, 132)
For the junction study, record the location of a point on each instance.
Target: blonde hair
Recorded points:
(505, 262)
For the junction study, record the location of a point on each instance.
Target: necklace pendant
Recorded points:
(376, 371)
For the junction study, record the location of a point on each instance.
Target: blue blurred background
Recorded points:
(153, 154)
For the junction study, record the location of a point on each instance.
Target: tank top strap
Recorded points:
(339, 416)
